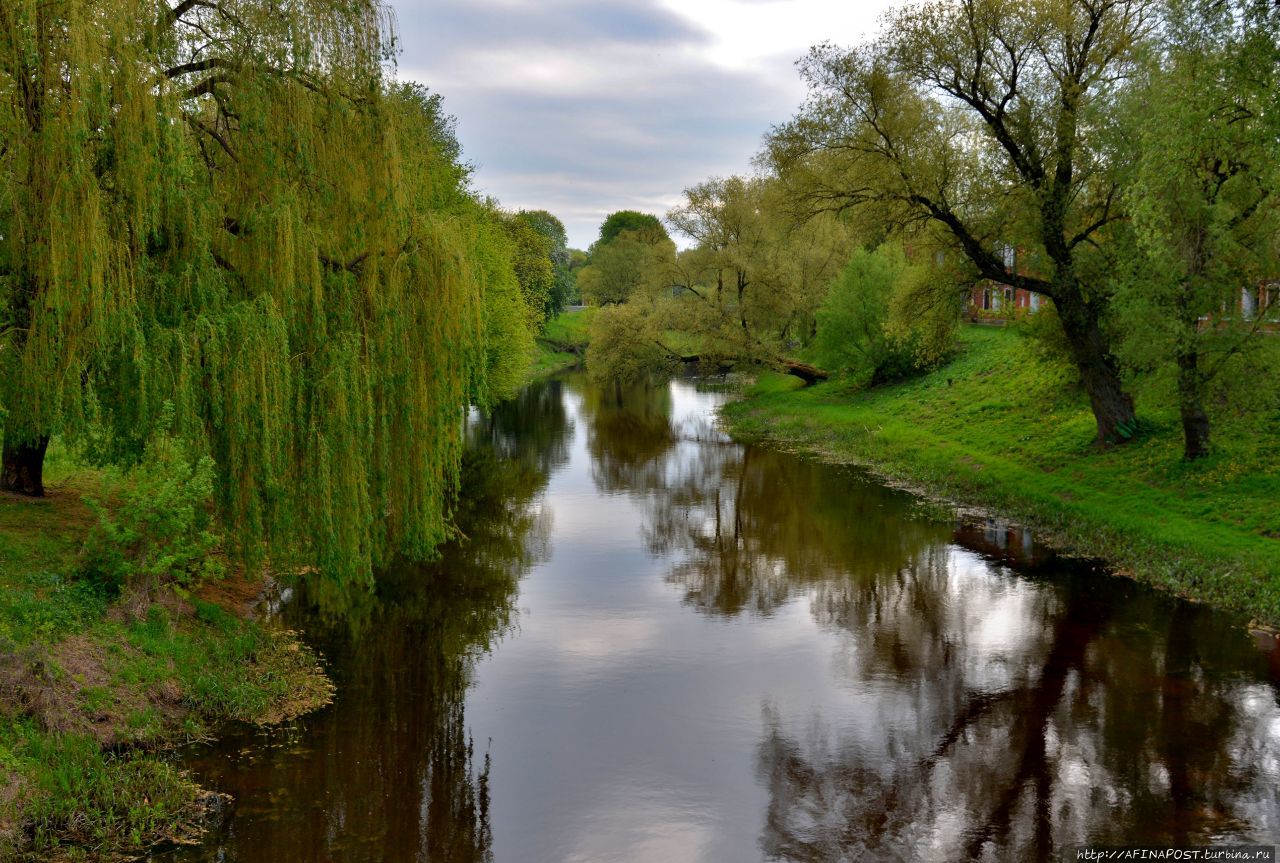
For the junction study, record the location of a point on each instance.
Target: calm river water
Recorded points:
(657, 645)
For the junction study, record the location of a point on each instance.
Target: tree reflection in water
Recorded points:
(628, 434)
(1093, 728)
(983, 703)
(1008, 714)
(390, 770)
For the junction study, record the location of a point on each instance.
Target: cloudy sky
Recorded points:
(583, 107)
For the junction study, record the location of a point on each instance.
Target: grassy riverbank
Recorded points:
(94, 689)
(1003, 429)
(563, 342)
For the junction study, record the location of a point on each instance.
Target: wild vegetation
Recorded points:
(1117, 159)
(247, 295)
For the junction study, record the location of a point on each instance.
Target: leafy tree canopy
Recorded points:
(632, 263)
(642, 224)
(227, 215)
(562, 287)
(987, 122)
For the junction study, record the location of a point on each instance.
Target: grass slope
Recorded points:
(563, 342)
(93, 690)
(1002, 429)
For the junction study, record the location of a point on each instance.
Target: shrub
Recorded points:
(854, 337)
(625, 346)
(160, 528)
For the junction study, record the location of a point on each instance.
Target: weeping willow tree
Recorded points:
(224, 214)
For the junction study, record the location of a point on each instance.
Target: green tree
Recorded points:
(625, 346)
(220, 207)
(562, 284)
(988, 119)
(577, 260)
(633, 262)
(749, 287)
(1204, 197)
(854, 335)
(533, 256)
(630, 220)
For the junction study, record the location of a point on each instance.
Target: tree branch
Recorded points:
(200, 66)
(196, 123)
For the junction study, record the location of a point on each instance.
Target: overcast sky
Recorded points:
(584, 107)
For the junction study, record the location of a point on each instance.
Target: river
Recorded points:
(657, 645)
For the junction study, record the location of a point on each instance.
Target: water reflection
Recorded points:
(1108, 726)
(391, 771)
(533, 428)
(629, 431)
(1008, 716)
(730, 653)
(751, 528)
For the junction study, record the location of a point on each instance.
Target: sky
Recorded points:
(584, 107)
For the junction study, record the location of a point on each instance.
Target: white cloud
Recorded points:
(749, 35)
(584, 107)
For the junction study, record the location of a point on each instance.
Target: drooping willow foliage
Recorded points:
(228, 207)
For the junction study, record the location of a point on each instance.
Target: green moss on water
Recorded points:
(1003, 428)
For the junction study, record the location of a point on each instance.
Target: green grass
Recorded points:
(1002, 429)
(571, 327)
(563, 342)
(39, 541)
(94, 690)
(81, 797)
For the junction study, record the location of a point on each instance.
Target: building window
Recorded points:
(1248, 303)
(1035, 302)
(1270, 297)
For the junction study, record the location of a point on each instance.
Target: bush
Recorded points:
(854, 335)
(624, 346)
(161, 527)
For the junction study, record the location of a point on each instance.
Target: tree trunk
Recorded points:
(1191, 381)
(23, 467)
(1195, 422)
(1112, 406)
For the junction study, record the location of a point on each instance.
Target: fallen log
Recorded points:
(563, 347)
(805, 372)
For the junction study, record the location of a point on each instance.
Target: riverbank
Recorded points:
(1004, 429)
(95, 689)
(563, 343)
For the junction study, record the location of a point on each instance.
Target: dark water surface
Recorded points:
(656, 645)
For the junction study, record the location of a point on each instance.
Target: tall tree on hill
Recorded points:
(1204, 198)
(988, 118)
(219, 207)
